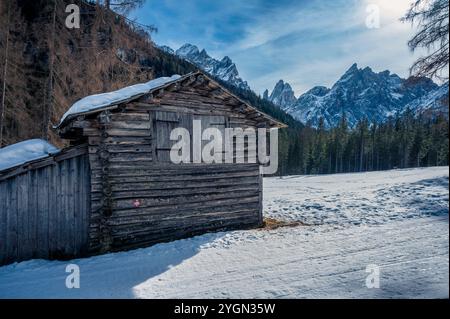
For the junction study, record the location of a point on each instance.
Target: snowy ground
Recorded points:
(397, 220)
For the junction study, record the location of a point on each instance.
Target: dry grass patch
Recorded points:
(272, 223)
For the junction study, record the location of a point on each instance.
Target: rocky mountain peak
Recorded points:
(360, 93)
(166, 49)
(226, 61)
(282, 95)
(203, 54)
(319, 91)
(223, 69)
(187, 50)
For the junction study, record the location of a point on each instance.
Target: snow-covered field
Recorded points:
(396, 220)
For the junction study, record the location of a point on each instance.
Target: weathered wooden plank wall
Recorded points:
(44, 211)
(150, 200)
(157, 203)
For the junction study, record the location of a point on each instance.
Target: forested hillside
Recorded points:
(404, 142)
(46, 67)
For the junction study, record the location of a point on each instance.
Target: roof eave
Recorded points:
(273, 123)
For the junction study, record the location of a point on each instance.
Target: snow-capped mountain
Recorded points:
(282, 95)
(167, 49)
(432, 103)
(361, 93)
(223, 69)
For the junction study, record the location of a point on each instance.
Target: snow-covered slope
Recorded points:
(167, 49)
(362, 93)
(435, 102)
(396, 220)
(223, 69)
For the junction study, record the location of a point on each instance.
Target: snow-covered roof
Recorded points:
(99, 101)
(26, 151)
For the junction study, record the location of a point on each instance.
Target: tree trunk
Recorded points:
(361, 155)
(329, 162)
(50, 89)
(336, 162)
(5, 72)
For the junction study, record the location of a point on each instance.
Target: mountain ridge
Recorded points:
(362, 93)
(224, 69)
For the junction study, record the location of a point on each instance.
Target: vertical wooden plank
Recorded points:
(86, 203)
(59, 212)
(29, 216)
(74, 199)
(24, 245)
(65, 231)
(76, 214)
(20, 231)
(69, 211)
(87, 200)
(53, 210)
(81, 205)
(12, 221)
(80, 212)
(32, 212)
(3, 221)
(43, 212)
(74, 194)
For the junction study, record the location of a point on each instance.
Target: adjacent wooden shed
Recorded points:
(115, 187)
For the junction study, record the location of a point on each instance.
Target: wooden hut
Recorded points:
(115, 187)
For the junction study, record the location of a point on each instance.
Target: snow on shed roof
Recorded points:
(98, 101)
(26, 151)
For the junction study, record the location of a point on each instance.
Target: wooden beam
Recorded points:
(215, 92)
(159, 93)
(189, 81)
(201, 80)
(174, 87)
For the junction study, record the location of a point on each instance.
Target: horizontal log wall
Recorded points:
(139, 199)
(44, 212)
(125, 140)
(154, 203)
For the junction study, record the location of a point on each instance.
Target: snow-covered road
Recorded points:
(396, 220)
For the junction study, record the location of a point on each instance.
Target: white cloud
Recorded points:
(284, 21)
(314, 44)
(306, 43)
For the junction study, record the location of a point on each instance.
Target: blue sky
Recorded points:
(305, 43)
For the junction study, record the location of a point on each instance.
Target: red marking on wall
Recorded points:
(136, 203)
